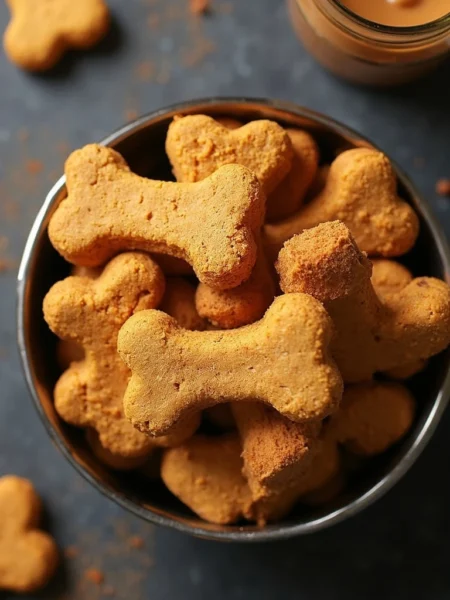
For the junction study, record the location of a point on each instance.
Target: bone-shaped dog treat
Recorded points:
(40, 32)
(28, 557)
(179, 303)
(275, 450)
(373, 333)
(361, 192)
(113, 461)
(206, 474)
(282, 360)
(289, 194)
(242, 305)
(197, 145)
(90, 312)
(210, 224)
(372, 417)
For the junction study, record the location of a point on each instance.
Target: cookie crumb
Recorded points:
(145, 70)
(71, 552)
(131, 114)
(95, 576)
(199, 7)
(136, 542)
(34, 166)
(443, 187)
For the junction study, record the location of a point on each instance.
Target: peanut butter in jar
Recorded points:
(374, 42)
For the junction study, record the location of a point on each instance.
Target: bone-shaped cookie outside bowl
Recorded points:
(282, 360)
(211, 224)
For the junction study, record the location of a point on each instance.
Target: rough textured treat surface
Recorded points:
(197, 145)
(211, 224)
(40, 32)
(179, 303)
(282, 360)
(28, 557)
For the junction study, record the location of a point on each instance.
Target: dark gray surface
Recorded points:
(399, 547)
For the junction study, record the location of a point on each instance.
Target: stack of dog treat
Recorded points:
(241, 295)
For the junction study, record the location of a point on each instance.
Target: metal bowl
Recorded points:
(142, 144)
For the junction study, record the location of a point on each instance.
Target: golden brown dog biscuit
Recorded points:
(361, 192)
(206, 474)
(90, 312)
(179, 303)
(197, 145)
(282, 360)
(373, 333)
(211, 224)
(229, 122)
(172, 266)
(275, 450)
(372, 417)
(28, 556)
(40, 32)
(113, 461)
(242, 305)
(289, 194)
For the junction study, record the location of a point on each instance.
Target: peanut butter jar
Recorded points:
(368, 52)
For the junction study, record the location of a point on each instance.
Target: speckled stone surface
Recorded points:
(155, 56)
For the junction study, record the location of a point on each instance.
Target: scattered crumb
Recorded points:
(419, 162)
(196, 56)
(23, 134)
(71, 552)
(6, 264)
(145, 70)
(136, 542)
(95, 576)
(108, 590)
(130, 114)
(198, 7)
(443, 187)
(33, 166)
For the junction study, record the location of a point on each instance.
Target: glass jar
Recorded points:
(365, 52)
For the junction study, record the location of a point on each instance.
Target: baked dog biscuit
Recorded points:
(28, 556)
(282, 360)
(211, 224)
(90, 313)
(40, 32)
(289, 194)
(179, 303)
(197, 145)
(229, 122)
(113, 461)
(361, 192)
(242, 305)
(205, 473)
(372, 417)
(374, 333)
(275, 450)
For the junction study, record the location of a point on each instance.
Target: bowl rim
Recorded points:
(282, 530)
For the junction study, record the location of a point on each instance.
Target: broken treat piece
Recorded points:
(372, 417)
(374, 333)
(242, 305)
(109, 208)
(90, 313)
(282, 360)
(443, 187)
(113, 461)
(205, 473)
(179, 303)
(289, 194)
(276, 451)
(40, 32)
(197, 145)
(361, 192)
(28, 556)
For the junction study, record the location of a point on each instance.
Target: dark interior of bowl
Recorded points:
(143, 148)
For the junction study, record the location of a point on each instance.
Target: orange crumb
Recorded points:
(71, 552)
(130, 114)
(198, 7)
(443, 187)
(145, 70)
(23, 134)
(33, 166)
(95, 576)
(136, 542)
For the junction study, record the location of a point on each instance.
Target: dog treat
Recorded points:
(372, 417)
(242, 305)
(221, 416)
(28, 556)
(229, 122)
(90, 313)
(374, 333)
(40, 32)
(113, 461)
(328, 491)
(179, 303)
(282, 360)
(361, 192)
(197, 145)
(289, 194)
(407, 371)
(172, 266)
(205, 473)
(211, 224)
(275, 450)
